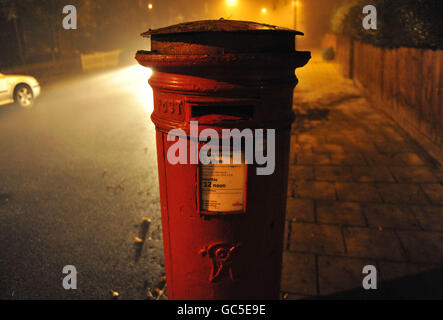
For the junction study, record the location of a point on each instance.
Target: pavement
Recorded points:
(361, 192)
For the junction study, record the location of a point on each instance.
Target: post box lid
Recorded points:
(221, 43)
(220, 25)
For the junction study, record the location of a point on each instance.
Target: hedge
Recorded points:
(400, 23)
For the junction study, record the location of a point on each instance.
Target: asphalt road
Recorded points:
(78, 173)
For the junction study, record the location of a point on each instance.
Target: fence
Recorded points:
(46, 71)
(99, 60)
(404, 82)
(52, 70)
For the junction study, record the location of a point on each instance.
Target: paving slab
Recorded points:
(333, 173)
(434, 192)
(410, 174)
(301, 210)
(314, 190)
(342, 213)
(373, 243)
(372, 174)
(301, 172)
(402, 193)
(422, 246)
(360, 192)
(390, 216)
(316, 239)
(299, 274)
(429, 218)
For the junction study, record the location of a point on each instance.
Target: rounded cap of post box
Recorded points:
(222, 42)
(220, 25)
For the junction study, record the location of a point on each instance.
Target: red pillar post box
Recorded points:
(223, 223)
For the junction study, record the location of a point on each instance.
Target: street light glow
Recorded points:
(264, 10)
(150, 6)
(231, 3)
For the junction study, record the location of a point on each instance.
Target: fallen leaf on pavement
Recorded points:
(115, 294)
(138, 240)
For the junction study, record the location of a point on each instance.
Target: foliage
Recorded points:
(33, 28)
(407, 23)
(328, 54)
(339, 16)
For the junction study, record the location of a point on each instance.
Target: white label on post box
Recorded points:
(222, 187)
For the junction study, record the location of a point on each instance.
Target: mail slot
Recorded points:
(223, 94)
(233, 112)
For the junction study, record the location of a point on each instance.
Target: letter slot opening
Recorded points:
(223, 112)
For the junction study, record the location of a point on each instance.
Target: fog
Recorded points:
(311, 17)
(278, 12)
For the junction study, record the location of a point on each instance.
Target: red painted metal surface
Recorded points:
(248, 70)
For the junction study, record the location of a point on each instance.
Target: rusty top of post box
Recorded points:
(220, 25)
(220, 43)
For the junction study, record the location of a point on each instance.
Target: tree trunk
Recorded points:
(19, 42)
